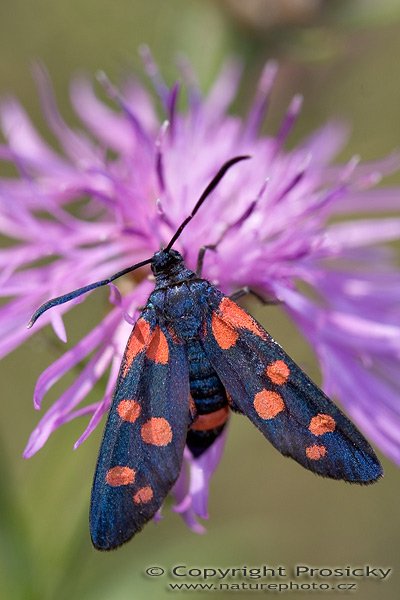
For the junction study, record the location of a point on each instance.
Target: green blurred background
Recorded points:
(343, 56)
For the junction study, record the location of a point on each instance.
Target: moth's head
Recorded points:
(164, 260)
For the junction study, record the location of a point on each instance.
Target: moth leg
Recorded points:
(248, 291)
(200, 257)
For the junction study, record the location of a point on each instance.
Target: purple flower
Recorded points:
(117, 191)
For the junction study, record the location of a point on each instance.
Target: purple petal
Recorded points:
(363, 232)
(107, 125)
(58, 326)
(74, 356)
(23, 138)
(102, 406)
(60, 411)
(74, 144)
(260, 105)
(289, 120)
(326, 142)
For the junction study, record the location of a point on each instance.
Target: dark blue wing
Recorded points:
(141, 453)
(280, 399)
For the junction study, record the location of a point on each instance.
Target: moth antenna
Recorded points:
(211, 186)
(83, 290)
(88, 288)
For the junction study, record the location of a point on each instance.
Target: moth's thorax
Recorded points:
(168, 268)
(181, 306)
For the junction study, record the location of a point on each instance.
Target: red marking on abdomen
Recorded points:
(120, 476)
(315, 452)
(322, 424)
(268, 404)
(156, 431)
(129, 410)
(224, 335)
(211, 420)
(239, 317)
(158, 348)
(137, 342)
(143, 495)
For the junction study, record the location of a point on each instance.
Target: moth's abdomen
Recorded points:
(210, 400)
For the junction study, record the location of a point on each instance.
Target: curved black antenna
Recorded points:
(87, 288)
(211, 186)
(82, 290)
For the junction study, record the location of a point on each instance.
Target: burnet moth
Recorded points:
(192, 357)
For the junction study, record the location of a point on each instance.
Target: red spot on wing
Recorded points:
(239, 318)
(120, 476)
(224, 334)
(211, 420)
(129, 410)
(278, 372)
(158, 347)
(315, 452)
(156, 431)
(268, 404)
(143, 495)
(138, 340)
(321, 424)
